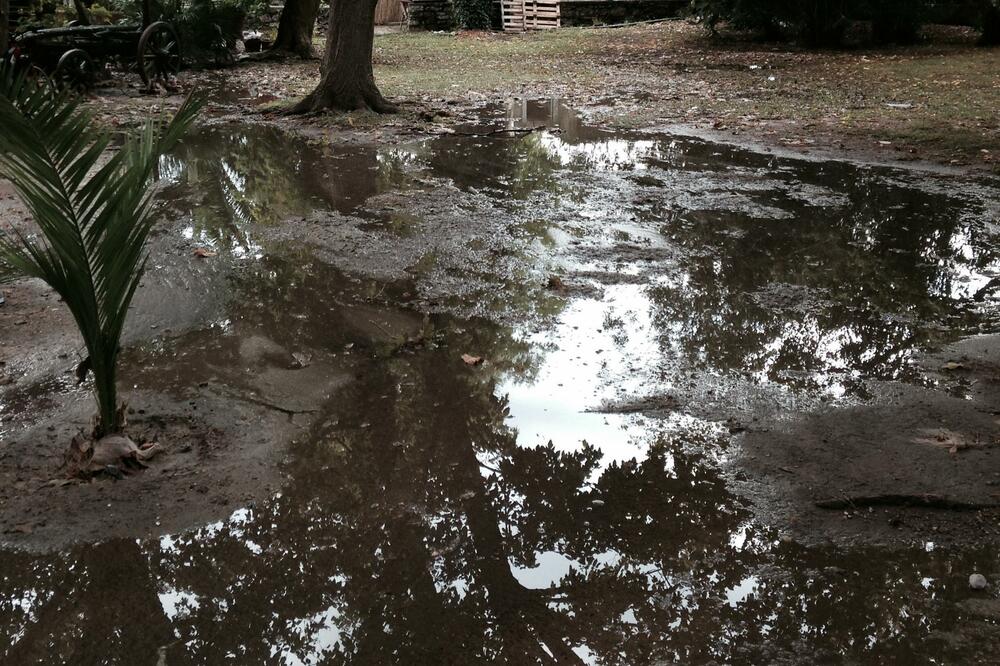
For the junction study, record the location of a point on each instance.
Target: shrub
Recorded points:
(818, 22)
(474, 14)
(814, 22)
(897, 21)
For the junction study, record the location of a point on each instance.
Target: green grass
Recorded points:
(954, 88)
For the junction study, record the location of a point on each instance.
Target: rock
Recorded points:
(978, 581)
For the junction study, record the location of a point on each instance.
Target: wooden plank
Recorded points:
(388, 12)
(520, 15)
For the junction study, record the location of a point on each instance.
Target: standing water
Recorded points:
(569, 498)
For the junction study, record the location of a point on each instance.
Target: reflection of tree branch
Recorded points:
(514, 605)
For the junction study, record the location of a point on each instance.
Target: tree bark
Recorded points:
(991, 24)
(4, 26)
(348, 82)
(82, 15)
(295, 27)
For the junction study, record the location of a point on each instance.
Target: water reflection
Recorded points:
(443, 513)
(808, 275)
(231, 179)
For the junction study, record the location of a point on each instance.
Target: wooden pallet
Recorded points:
(541, 14)
(521, 15)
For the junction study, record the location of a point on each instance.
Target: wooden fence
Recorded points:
(388, 12)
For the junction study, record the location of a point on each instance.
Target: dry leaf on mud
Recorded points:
(204, 253)
(300, 360)
(472, 360)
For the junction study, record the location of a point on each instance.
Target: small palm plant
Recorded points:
(93, 212)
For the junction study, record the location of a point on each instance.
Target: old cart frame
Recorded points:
(73, 55)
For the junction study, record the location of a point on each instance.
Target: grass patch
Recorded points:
(942, 97)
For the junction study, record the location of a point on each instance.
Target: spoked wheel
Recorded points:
(159, 54)
(75, 71)
(41, 79)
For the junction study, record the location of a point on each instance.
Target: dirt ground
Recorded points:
(917, 465)
(935, 102)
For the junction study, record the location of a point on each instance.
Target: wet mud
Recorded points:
(559, 395)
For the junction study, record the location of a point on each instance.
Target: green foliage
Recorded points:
(819, 22)
(210, 26)
(207, 28)
(93, 213)
(474, 14)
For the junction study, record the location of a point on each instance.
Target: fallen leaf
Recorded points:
(300, 360)
(203, 253)
(472, 360)
(555, 283)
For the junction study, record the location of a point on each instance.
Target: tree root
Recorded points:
(361, 100)
(919, 501)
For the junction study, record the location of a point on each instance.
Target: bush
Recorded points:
(474, 14)
(814, 22)
(897, 21)
(208, 29)
(819, 22)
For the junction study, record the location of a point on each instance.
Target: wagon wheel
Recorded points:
(159, 54)
(75, 71)
(41, 79)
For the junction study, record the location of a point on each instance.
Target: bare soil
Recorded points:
(917, 465)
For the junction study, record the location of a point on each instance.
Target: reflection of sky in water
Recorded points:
(594, 356)
(603, 349)
(608, 154)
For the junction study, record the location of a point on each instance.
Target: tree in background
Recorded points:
(348, 82)
(990, 23)
(4, 26)
(295, 27)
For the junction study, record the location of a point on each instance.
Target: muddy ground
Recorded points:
(220, 408)
(512, 354)
(930, 103)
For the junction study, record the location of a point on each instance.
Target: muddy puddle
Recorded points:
(627, 305)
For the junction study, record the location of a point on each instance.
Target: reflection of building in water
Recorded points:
(570, 141)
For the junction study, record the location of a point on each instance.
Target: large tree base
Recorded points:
(357, 100)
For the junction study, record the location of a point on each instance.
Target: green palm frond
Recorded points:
(93, 213)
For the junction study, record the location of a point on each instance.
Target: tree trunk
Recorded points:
(991, 24)
(82, 15)
(4, 25)
(295, 27)
(348, 82)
